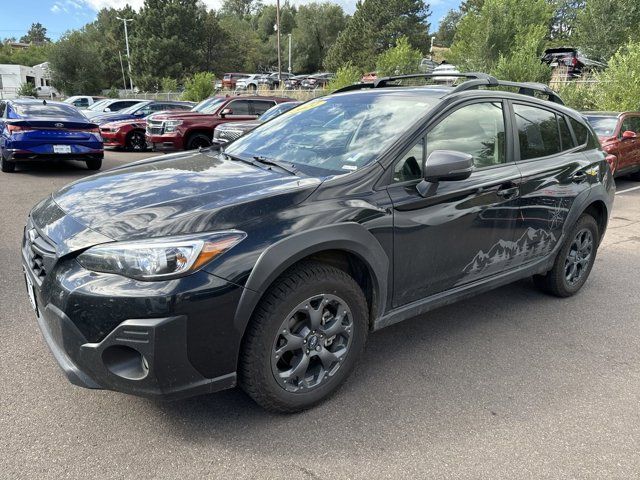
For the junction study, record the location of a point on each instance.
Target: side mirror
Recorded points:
(225, 112)
(629, 134)
(107, 109)
(445, 165)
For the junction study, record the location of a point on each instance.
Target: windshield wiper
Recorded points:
(287, 167)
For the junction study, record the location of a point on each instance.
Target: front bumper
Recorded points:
(166, 339)
(169, 142)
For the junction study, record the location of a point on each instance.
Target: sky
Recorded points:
(59, 16)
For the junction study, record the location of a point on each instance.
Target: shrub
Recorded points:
(27, 90)
(347, 75)
(400, 60)
(579, 95)
(199, 87)
(169, 84)
(619, 85)
(113, 93)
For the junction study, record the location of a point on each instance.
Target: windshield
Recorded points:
(279, 109)
(337, 134)
(134, 108)
(603, 126)
(209, 105)
(98, 104)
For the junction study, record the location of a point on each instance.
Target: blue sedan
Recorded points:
(40, 130)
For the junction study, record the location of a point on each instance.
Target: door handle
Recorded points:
(578, 177)
(508, 191)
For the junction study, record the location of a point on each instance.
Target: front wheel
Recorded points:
(574, 261)
(304, 338)
(136, 142)
(198, 140)
(94, 164)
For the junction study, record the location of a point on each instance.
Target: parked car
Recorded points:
(271, 80)
(318, 80)
(427, 65)
(110, 105)
(294, 83)
(129, 134)
(572, 59)
(229, 80)
(82, 101)
(227, 132)
(369, 77)
(269, 263)
(47, 91)
(249, 83)
(443, 72)
(37, 130)
(141, 110)
(619, 134)
(191, 130)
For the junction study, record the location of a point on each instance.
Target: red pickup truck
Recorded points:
(194, 129)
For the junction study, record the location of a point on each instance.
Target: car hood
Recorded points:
(177, 194)
(180, 116)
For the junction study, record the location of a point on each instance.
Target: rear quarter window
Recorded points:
(581, 132)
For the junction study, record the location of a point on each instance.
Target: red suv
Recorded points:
(619, 135)
(229, 80)
(194, 129)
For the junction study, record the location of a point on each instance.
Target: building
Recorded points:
(13, 76)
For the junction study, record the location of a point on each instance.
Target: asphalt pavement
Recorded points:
(509, 384)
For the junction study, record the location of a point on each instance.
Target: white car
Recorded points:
(47, 91)
(249, 83)
(82, 102)
(442, 71)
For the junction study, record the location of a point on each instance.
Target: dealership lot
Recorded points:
(511, 383)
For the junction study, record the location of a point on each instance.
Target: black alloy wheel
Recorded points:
(136, 141)
(198, 140)
(578, 258)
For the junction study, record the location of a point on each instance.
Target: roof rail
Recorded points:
(475, 80)
(524, 88)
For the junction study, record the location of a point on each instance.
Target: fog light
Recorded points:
(125, 362)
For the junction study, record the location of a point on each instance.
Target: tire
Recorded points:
(635, 176)
(94, 164)
(136, 141)
(7, 166)
(572, 267)
(251, 87)
(315, 285)
(198, 140)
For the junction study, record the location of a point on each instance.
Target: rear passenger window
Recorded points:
(580, 131)
(538, 133)
(565, 133)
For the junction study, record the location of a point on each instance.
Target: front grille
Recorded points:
(228, 134)
(39, 253)
(154, 127)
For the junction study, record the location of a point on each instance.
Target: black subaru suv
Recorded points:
(268, 264)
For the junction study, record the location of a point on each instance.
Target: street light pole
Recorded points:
(126, 39)
(278, 42)
(289, 53)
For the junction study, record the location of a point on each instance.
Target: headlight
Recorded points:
(171, 125)
(160, 258)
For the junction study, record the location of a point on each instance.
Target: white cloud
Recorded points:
(56, 8)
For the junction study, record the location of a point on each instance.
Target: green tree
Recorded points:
(604, 26)
(619, 85)
(240, 8)
(345, 76)
(399, 60)
(317, 27)
(471, 6)
(169, 84)
(522, 64)
(27, 90)
(199, 86)
(376, 26)
(37, 34)
(565, 18)
(447, 29)
(76, 66)
(30, 56)
(241, 50)
(483, 37)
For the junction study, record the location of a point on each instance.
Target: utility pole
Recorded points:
(126, 39)
(124, 80)
(289, 53)
(278, 42)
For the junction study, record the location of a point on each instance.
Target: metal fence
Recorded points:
(302, 95)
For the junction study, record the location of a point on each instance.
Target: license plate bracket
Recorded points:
(62, 149)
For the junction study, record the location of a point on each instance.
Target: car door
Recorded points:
(458, 234)
(629, 148)
(240, 110)
(555, 174)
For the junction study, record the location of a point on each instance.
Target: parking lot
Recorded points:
(509, 384)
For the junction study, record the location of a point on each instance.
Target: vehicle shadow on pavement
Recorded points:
(54, 168)
(417, 365)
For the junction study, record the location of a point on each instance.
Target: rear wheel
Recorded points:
(635, 176)
(136, 141)
(304, 338)
(7, 166)
(574, 261)
(198, 140)
(94, 164)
